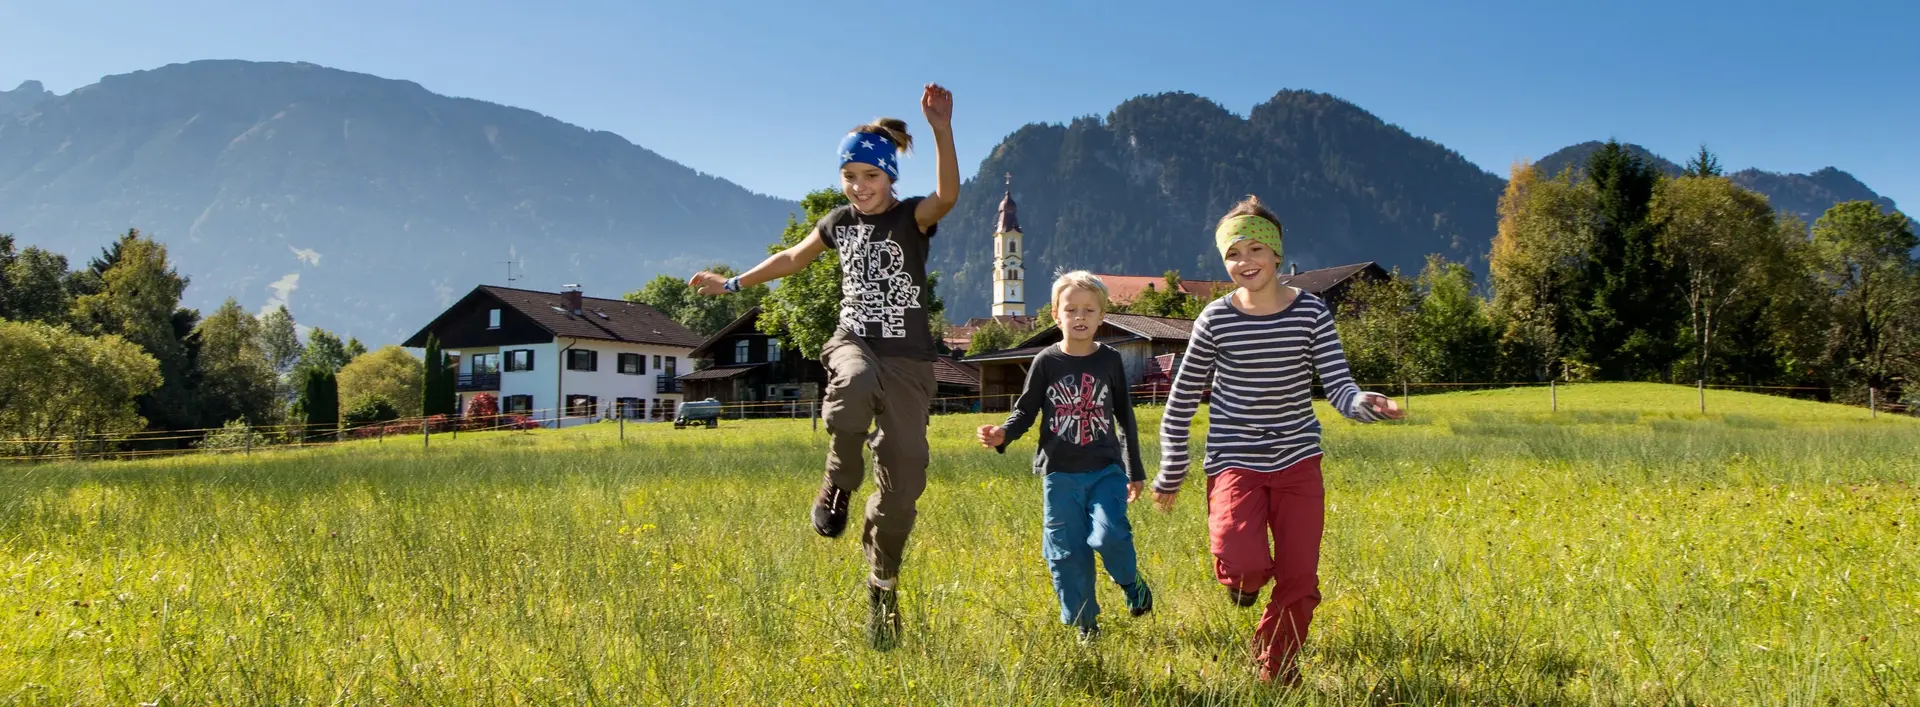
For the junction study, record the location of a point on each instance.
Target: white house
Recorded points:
(564, 356)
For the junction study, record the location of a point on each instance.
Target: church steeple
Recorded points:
(1009, 296)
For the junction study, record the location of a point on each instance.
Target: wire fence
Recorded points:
(245, 439)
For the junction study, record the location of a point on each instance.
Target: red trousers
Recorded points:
(1245, 507)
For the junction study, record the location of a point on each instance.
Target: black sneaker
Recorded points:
(1243, 599)
(830, 511)
(883, 619)
(1139, 598)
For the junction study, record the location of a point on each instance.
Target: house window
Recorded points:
(516, 405)
(486, 363)
(630, 408)
(1013, 246)
(740, 349)
(773, 349)
(633, 364)
(582, 406)
(666, 408)
(656, 362)
(669, 368)
(583, 360)
(519, 360)
(493, 319)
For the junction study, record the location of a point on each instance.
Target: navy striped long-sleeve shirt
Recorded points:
(1261, 367)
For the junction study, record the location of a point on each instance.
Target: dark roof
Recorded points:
(1319, 281)
(1153, 328)
(719, 372)
(951, 372)
(600, 318)
(744, 321)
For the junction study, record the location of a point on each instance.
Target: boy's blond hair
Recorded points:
(1083, 280)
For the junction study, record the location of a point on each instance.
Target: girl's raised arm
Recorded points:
(937, 104)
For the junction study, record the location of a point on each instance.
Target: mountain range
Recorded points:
(367, 204)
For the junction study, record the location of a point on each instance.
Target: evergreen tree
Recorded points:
(436, 388)
(1703, 164)
(1629, 324)
(319, 402)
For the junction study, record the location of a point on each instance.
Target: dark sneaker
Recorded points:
(883, 619)
(1139, 597)
(830, 511)
(1243, 599)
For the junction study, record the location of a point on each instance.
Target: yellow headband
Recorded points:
(1247, 228)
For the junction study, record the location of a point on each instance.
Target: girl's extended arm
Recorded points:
(1330, 363)
(776, 266)
(937, 104)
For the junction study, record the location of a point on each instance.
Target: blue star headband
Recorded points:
(868, 148)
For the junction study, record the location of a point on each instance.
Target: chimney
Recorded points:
(570, 299)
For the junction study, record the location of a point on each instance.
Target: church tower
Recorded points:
(1009, 293)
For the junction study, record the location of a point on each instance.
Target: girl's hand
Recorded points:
(992, 436)
(1164, 501)
(937, 104)
(1383, 406)
(1133, 490)
(707, 283)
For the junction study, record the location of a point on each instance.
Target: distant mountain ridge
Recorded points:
(1138, 191)
(1805, 195)
(27, 95)
(368, 203)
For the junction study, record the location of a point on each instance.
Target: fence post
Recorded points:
(1703, 396)
(1406, 400)
(426, 435)
(1873, 407)
(249, 440)
(623, 428)
(813, 414)
(1553, 394)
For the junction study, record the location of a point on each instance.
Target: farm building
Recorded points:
(744, 365)
(547, 353)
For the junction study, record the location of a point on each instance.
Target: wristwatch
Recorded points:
(733, 284)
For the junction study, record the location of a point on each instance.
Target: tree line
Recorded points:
(1615, 271)
(106, 352)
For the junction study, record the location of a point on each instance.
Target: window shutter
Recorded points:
(529, 359)
(593, 360)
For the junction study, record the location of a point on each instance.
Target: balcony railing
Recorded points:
(477, 381)
(667, 385)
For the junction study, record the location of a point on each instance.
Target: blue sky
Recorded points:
(761, 97)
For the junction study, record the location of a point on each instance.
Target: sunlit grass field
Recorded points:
(1625, 550)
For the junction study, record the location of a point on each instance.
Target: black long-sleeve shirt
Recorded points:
(1086, 414)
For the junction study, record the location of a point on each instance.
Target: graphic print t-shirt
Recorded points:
(883, 271)
(1085, 415)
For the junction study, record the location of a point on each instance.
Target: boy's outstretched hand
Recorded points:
(1382, 406)
(937, 104)
(992, 436)
(1163, 501)
(707, 283)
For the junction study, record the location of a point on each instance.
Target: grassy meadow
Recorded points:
(1625, 550)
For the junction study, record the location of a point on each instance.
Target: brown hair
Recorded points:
(1251, 206)
(894, 128)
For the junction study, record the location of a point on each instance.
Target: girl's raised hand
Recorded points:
(937, 104)
(991, 436)
(707, 283)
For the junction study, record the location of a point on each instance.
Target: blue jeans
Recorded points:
(1086, 513)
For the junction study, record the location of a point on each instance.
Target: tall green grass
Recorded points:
(1623, 550)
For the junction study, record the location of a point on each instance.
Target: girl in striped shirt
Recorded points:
(1261, 345)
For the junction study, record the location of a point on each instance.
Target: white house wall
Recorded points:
(549, 383)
